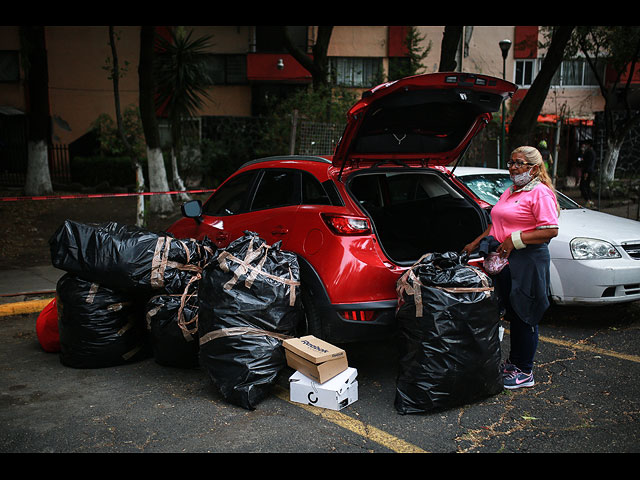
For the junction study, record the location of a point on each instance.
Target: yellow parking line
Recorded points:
(17, 308)
(356, 426)
(588, 348)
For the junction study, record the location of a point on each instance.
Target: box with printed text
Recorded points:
(315, 358)
(335, 394)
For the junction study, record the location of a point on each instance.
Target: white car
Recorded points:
(595, 259)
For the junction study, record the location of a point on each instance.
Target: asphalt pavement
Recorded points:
(585, 400)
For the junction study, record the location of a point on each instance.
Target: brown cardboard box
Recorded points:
(315, 358)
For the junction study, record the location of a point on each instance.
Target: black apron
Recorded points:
(529, 274)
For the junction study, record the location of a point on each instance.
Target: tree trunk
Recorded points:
(450, 40)
(38, 181)
(610, 160)
(160, 204)
(134, 159)
(524, 121)
(316, 65)
(178, 184)
(38, 178)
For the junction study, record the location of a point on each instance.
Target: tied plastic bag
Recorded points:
(128, 258)
(172, 322)
(47, 328)
(98, 327)
(249, 303)
(494, 263)
(448, 318)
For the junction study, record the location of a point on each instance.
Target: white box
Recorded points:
(335, 394)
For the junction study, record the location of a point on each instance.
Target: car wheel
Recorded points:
(311, 323)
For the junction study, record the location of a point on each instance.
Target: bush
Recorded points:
(91, 171)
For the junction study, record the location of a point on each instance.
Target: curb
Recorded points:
(18, 308)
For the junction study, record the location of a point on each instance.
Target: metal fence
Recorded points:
(14, 160)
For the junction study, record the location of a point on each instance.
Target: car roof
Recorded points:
(462, 171)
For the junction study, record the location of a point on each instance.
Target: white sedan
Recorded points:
(595, 259)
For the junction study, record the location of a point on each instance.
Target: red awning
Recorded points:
(570, 121)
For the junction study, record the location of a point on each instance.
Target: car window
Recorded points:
(313, 193)
(489, 187)
(404, 188)
(230, 198)
(277, 188)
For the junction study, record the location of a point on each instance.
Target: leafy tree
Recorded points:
(181, 82)
(619, 47)
(317, 105)
(131, 145)
(525, 118)
(317, 64)
(161, 204)
(412, 63)
(34, 53)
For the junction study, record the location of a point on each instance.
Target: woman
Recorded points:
(523, 222)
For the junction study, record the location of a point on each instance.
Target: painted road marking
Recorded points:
(369, 432)
(18, 308)
(588, 348)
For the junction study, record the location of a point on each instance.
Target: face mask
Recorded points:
(522, 179)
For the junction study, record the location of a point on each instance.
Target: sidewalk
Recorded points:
(27, 290)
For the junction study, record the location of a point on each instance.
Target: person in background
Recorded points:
(547, 158)
(587, 162)
(523, 222)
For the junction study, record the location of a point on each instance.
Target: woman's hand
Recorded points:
(505, 248)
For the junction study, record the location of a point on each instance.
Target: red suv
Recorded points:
(359, 218)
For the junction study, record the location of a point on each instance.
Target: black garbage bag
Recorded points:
(448, 318)
(172, 322)
(98, 326)
(249, 303)
(128, 258)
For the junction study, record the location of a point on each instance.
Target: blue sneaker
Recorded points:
(517, 379)
(507, 367)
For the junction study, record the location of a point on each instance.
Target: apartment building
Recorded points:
(250, 64)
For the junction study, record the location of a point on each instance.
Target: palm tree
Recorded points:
(181, 82)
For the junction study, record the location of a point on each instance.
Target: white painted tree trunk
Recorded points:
(140, 198)
(611, 159)
(178, 184)
(38, 180)
(159, 204)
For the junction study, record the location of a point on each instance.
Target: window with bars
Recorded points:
(355, 71)
(227, 69)
(575, 72)
(9, 66)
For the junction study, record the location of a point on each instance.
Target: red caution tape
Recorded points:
(99, 195)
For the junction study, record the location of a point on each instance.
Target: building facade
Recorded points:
(250, 64)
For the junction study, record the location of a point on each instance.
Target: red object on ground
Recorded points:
(47, 328)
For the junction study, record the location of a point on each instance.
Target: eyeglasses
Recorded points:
(517, 164)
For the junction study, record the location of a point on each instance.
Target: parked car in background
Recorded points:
(595, 259)
(360, 218)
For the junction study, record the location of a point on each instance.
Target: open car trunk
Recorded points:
(416, 211)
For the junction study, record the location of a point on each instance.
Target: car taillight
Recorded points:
(359, 315)
(347, 225)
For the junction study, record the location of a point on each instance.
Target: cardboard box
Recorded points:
(315, 358)
(335, 394)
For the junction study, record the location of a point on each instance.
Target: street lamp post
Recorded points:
(505, 45)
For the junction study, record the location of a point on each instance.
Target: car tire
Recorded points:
(311, 322)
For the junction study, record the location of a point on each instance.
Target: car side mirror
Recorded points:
(192, 209)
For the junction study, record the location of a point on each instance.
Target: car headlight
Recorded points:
(591, 248)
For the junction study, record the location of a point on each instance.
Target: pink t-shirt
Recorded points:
(529, 208)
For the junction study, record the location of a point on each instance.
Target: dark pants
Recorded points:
(523, 337)
(585, 185)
